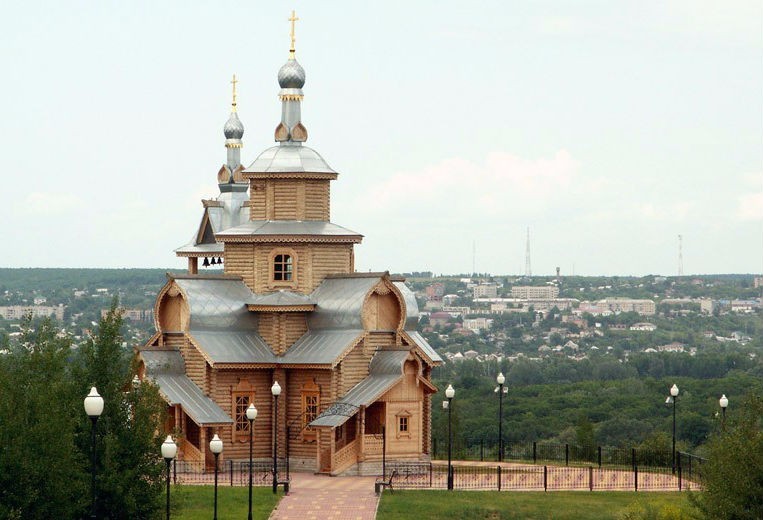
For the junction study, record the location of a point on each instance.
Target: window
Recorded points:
(311, 400)
(402, 424)
(242, 395)
(283, 268)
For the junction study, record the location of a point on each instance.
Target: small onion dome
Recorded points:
(233, 128)
(291, 75)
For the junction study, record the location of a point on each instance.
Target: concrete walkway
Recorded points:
(318, 497)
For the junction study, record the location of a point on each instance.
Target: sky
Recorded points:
(606, 128)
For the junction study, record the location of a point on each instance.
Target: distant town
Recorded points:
(484, 318)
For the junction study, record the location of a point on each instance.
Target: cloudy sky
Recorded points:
(607, 128)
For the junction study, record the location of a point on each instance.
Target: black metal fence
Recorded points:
(229, 472)
(424, 475)
(569, 454)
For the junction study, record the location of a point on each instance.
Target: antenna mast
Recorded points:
(528, 269)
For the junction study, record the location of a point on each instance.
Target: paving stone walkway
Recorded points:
(319, 497)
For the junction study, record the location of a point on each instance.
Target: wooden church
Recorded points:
(291, 309)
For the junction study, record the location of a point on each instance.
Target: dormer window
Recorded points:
(283, 268)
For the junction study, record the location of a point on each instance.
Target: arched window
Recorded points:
(283, 268)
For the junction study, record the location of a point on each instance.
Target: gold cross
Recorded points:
(292, 20)
(234, 81)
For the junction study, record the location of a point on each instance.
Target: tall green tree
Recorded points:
(129, 468)
(733, 476)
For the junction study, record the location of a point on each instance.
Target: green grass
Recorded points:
(197, 502)
(493, 505)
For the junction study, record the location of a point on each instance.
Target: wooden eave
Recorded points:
(335, 239)
(427, 384)
(209, 203)
(286, 175)
(347, 350)
(308, 307)
(195, 254)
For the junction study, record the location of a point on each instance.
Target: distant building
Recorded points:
(132, 314)
(17, 312)
(643, 307)
(647, 327)
(532, 292)
(486, 290)
(435, 292)
(757, 281)
(707, 306)
(477, 324)
(440, 318)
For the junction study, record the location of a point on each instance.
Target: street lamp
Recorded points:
(276, 391)
(251, 415)
(500, 390)
(169, 450)
(449, 393)
(724, 402)
(216, 447)
(93, 409)
(672, 398)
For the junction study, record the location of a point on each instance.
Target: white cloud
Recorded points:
(47, 204)
(503, 182)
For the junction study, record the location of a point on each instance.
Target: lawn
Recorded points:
(197, 502)
(493, 505)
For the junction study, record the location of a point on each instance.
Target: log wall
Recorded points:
(281, 330)
(289, 199)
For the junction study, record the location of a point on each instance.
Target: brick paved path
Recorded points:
(321, 497)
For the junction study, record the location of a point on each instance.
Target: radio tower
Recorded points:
(680, 256)
(528, 269)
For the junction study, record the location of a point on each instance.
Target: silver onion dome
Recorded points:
(291, 75)
(233, 129)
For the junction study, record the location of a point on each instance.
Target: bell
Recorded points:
(206, 262)
(214, 262)
(219, 261)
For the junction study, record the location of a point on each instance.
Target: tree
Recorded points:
(733, 476)
(129, 430)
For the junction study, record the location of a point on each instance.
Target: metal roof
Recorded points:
(411, 306)
(289, 158)
(289, 227)
(320, 347)
(167, 369)
(218, 303)
(280, 298)
(340, 302)
(424, 346)
(216, 249)
(384, 372)
(223, 346)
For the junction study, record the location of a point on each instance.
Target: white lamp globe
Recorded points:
(674, 390)
(500, 379)
(216, 445)
(275, 389)
(723, 401)
(449, 392)
(169, 448)
(251, 412)
(93, 404)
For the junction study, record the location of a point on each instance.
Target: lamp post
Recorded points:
(500, 390)
(276, 391)
(216, 447)
(169, 450)
(449, 393)
(724, 402)
(251, 415)
(93, 409)
(672, 398)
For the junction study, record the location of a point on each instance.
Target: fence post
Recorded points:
(482, 450)
(633, 457)
(566, 454)
(679, 472)
(599, 456)
(175, 470)
(535, 453)
(545, 477)
(635, 476)
(499, 477)
(430, 474)
(231, 472)
(590, 478)
(434, 448)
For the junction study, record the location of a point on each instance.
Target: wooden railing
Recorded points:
(345, 457)
(191, 452)
(372, 444)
